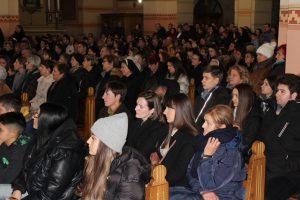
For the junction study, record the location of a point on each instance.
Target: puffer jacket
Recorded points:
(128, 175)
(224, 172)
(53, 172)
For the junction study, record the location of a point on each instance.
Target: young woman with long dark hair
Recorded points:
(53, 164)
(179, 146)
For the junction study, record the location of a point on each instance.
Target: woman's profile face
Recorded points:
(171, 68)
(235, 97)
(142, 110)
(170, 114)
(93, 143)
(209, 125)
(234, 78)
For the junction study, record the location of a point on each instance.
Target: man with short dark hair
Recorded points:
(280, 132)
(212, 94)
(114, 95)
(9, 103)
(13, 146)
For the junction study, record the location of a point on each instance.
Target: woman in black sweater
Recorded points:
(149, 129)
(179, 146)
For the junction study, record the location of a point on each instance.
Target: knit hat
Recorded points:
(112, 131)
(3, 73)
(267, 49)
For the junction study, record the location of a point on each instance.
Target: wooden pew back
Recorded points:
(255, 183)
(158, 188)
(89, 116)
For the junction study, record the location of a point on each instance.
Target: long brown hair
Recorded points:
(95, 173)
(184, 117)
(246, 101)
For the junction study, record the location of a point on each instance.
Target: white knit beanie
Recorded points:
(267, 49)
(112, 131)
(3, 73)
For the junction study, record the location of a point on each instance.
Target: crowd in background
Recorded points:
(144, 115)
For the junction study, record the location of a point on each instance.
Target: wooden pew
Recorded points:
(89, 115)
(158, 188)
(25, 109)
(255, 183)
(192, 89)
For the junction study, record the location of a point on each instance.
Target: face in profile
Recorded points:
(209, 125)
(170, 114)
(93, 143)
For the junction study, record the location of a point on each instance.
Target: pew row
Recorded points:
(158, 188)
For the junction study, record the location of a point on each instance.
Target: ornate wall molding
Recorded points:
(9, 18)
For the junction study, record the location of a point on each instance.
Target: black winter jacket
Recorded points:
(282, 140)
(146, 136)
(53, 171)
(128, 175)
(64, 93)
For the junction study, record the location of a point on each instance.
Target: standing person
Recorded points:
(63, 90)
(53, 164)
(179, 146)
(112, 170)
(149, 129)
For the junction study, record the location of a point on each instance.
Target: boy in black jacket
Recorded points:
(281, 136)
(13, 145)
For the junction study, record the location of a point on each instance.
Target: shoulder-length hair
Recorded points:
(95, 173)
(246, 101)
(221, 114)
(242, 71)
(153, 102)
(51, 116)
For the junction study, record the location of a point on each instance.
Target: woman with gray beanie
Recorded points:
(113, 171)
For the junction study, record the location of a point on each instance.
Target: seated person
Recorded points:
(44, 82)
(246, 115)
(179, 146)
(216, 170)
(53, 164)
(10, 103)
(112, 171)
(280, 132)
(167, 88)
(212, 94)
(13, 146)
(114, 95)
(149, 128)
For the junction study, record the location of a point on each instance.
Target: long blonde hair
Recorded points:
(95, 173)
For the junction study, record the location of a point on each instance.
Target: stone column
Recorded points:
(253, 13)
(159, 11)
(9, 16)
(289, 32)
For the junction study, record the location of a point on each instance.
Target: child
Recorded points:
(13, 145)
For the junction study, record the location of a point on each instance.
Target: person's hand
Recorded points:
(154, 158)
(211, 146)
(209, 196)
(35, 118)
(16, 195)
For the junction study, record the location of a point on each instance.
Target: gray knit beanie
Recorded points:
(112, 131)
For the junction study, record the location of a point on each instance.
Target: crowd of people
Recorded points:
(144, 113)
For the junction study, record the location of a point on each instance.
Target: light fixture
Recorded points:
(140, 1)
